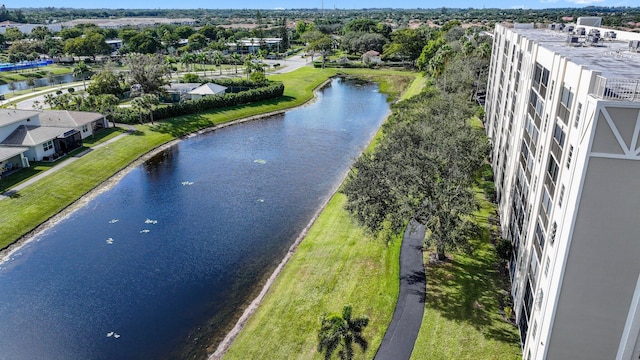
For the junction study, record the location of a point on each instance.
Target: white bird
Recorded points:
(109, 241)
(110, 334)
(116, 335)
(113, 221)
(144, 231)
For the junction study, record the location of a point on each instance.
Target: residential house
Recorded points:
(29, 135)
(371, 57)
(208, 89)
(86, 123)
(178, 91)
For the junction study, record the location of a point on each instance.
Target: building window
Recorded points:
(564, 108)
(561, 196)
(546, 266)
(540, 235)
(559, 135)
(47, 145)
(554, 230)
(578, 113)
(85, 128)
(569, 156)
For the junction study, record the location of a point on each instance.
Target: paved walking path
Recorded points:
(401, 335)
(64, 163)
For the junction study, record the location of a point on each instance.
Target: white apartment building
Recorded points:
(563, 115)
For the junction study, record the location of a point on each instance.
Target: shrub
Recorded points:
(270, 91)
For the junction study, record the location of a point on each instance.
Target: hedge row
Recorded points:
(271, 91)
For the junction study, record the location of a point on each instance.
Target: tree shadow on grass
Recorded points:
(467, 289)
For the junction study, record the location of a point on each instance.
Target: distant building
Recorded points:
(371, 57)
(252, 45)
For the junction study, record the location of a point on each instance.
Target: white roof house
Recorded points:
(208, 89)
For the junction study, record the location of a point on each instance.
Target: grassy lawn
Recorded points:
(22, 75)
(463, 318)
(336, 264)
(31, 206)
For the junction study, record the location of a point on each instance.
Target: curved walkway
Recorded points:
(401, 335)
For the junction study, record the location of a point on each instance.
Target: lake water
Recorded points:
(158, 266)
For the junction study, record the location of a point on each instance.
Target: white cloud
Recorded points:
(517, 7)
(548, 1)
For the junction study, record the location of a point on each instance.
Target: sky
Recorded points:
(328, 4)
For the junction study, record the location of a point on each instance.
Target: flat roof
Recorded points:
(611, 57)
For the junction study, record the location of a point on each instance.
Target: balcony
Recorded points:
(616, 89)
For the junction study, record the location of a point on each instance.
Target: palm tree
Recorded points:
(202, 59)
(248, 64)
(218, 59)
(187, 59)
(107, 104)
(78, 71)
(341, 331)
(236, 58)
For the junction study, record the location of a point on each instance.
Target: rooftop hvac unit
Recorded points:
(569, 29)
(560, 27)
(610, 35)
(634, 45)
(552, 26)
(580, 31)
(593, 39)
(572, 40)
(594, 32)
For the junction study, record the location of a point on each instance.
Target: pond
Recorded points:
(159, 265)
(22, 85)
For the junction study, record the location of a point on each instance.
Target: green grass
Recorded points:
(336, 264)
(463, 318)
(418, 84)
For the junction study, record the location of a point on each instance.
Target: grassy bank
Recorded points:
(35, 204)
(463, 318)
(336, 264)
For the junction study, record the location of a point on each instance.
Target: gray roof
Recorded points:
(10, 116)
(208, 89)
(33, 135)
(612, 58)
(180, 87)
(65, 118)
(7, 152)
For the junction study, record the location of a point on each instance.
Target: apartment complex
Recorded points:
(563, 116)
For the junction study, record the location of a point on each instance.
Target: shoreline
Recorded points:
(253, 306)
(7, 252)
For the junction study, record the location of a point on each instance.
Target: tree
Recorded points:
(422, 169)
(148, 71)
(197, 41)
(341, 331)
(236, 58)
(91, 44)
(144, 43)
(202, 59)
(187, 59)
(144, 105)
(31, 83)
(107, 104)
(406, 43)
(79, 70)
(12, 86)
(218, 59)
(105, 82)
(40, 32)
